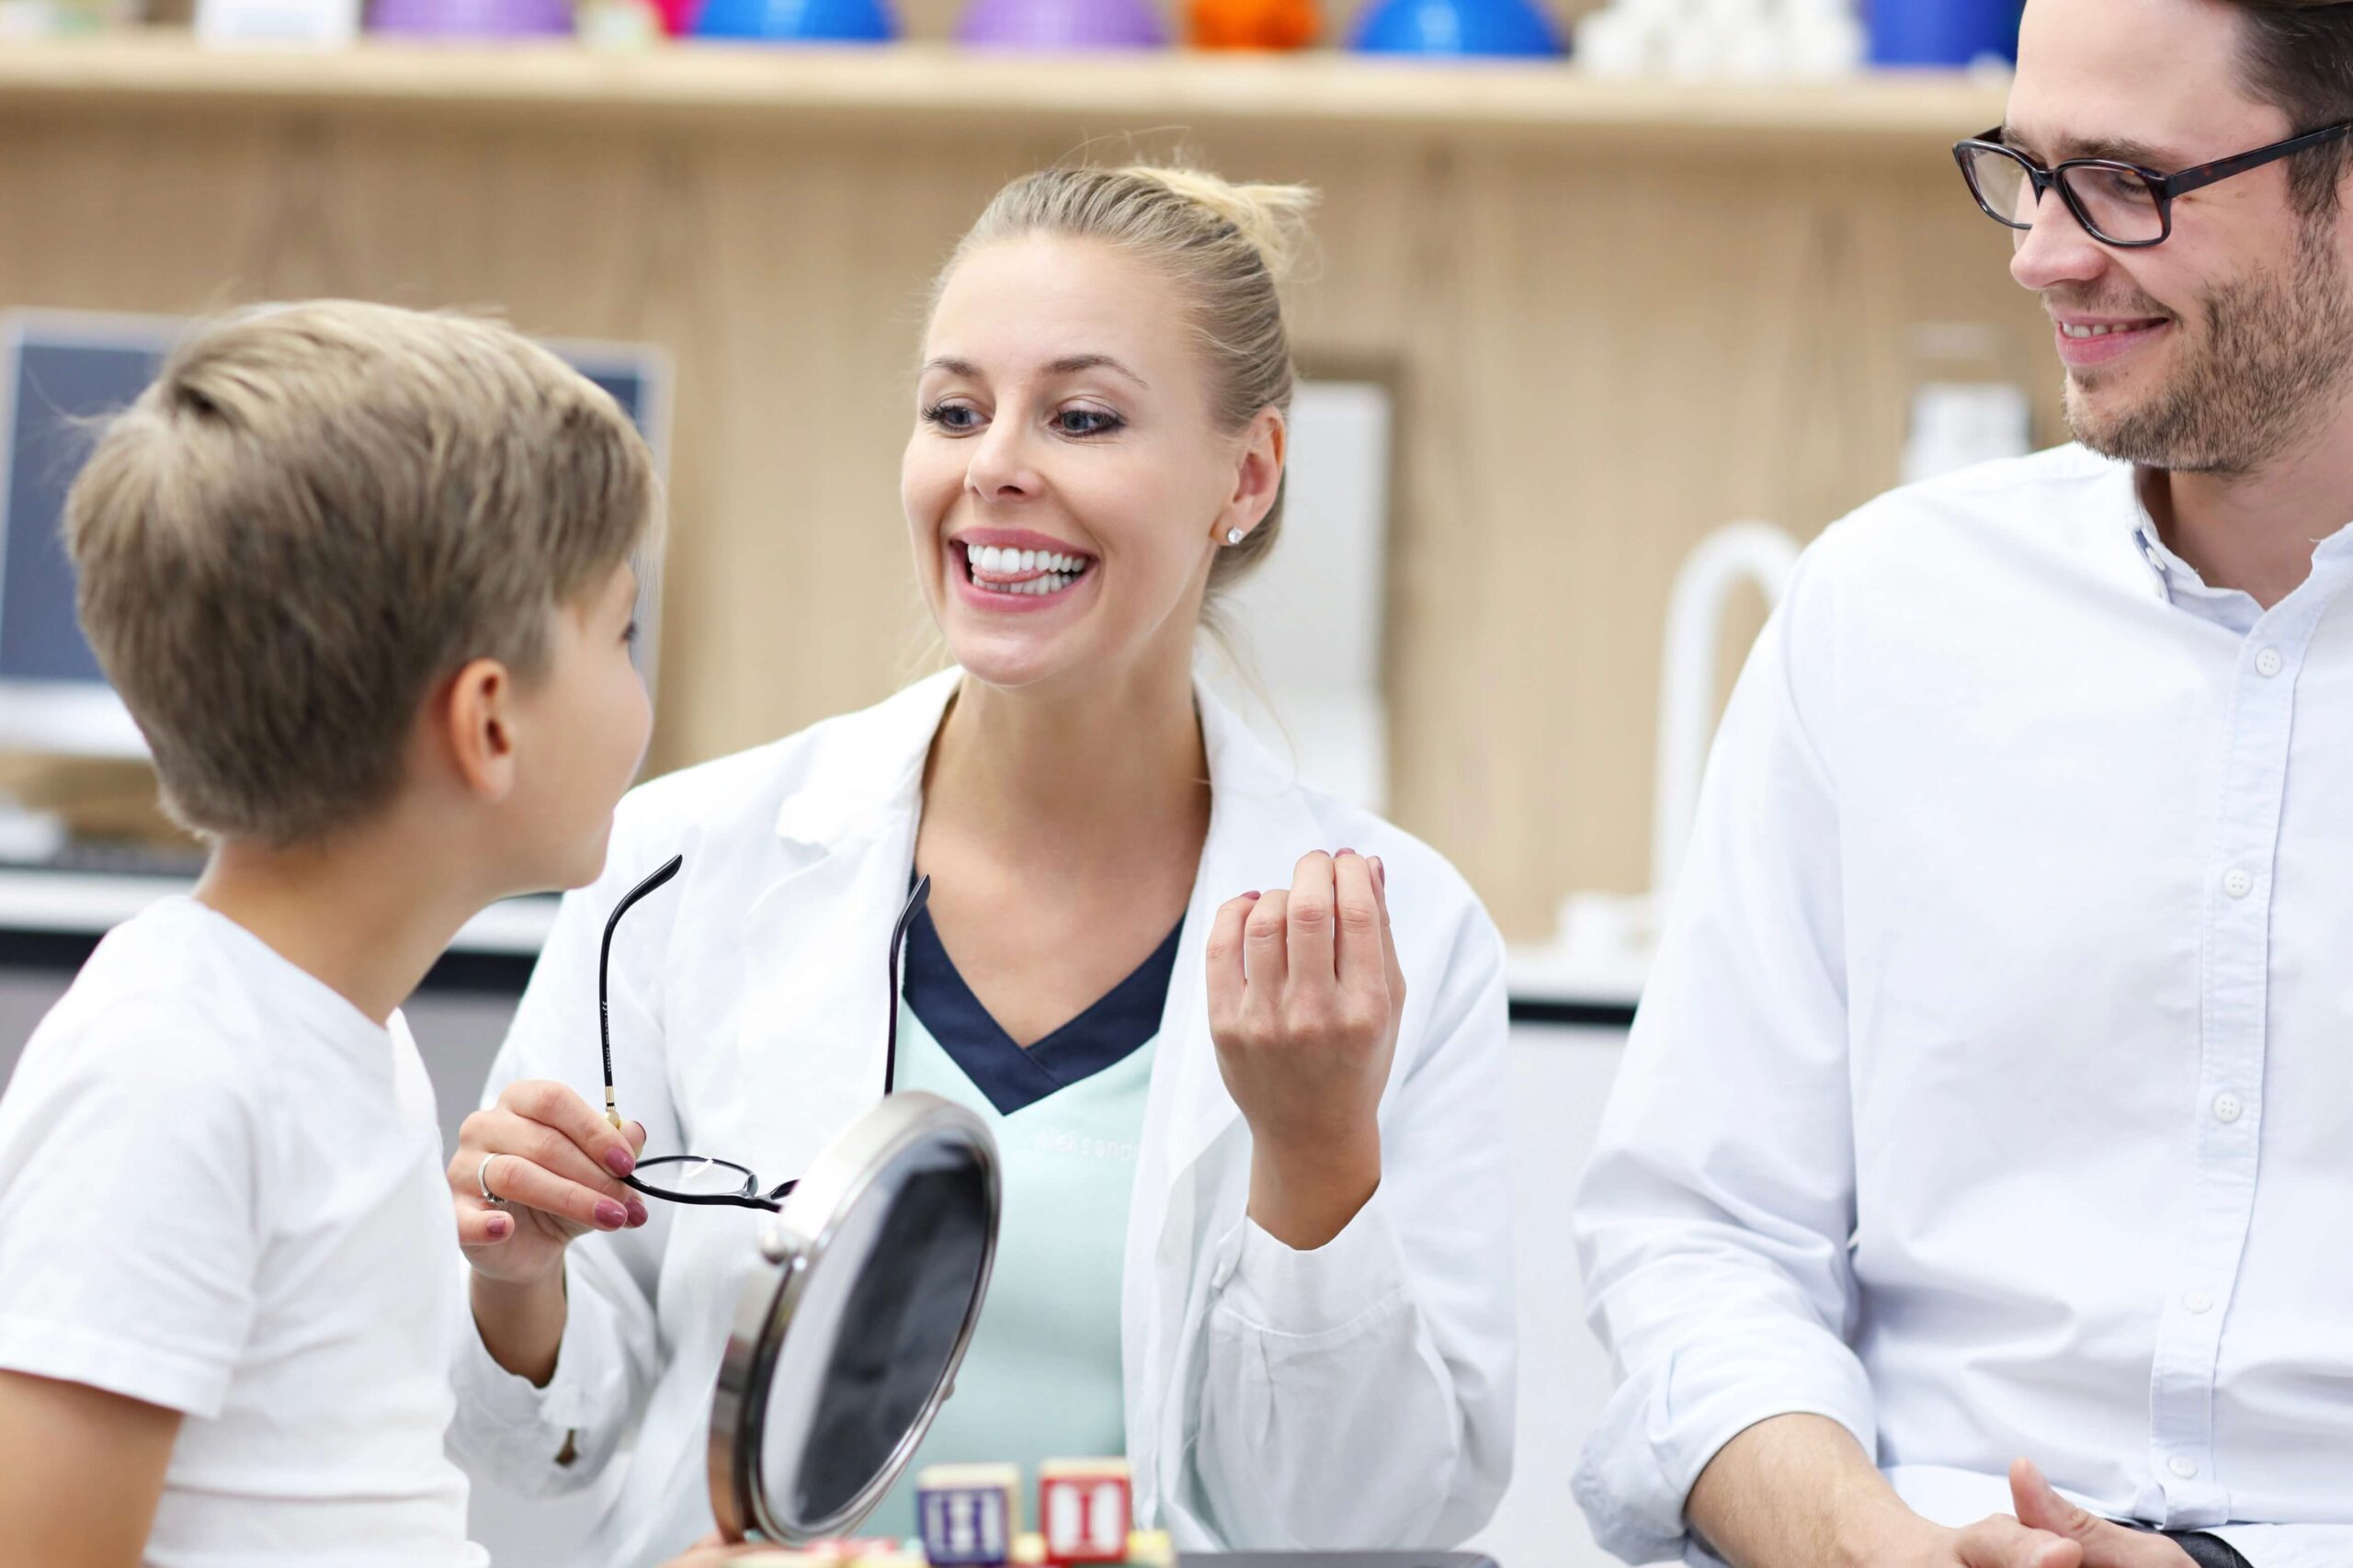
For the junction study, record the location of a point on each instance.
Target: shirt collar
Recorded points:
(2183, 587)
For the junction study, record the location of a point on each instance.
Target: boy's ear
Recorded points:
(477, 721)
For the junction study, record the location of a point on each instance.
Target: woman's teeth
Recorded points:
(1053, 572)
(1015, 562)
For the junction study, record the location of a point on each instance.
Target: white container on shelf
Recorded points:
(287, 24)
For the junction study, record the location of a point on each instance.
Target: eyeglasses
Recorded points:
(697, 1178)
(2118, 204)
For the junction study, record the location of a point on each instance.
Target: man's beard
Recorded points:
(2276, 350)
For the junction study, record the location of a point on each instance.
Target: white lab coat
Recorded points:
(1357, 1395)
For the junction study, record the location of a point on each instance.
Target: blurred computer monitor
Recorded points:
(60, 369)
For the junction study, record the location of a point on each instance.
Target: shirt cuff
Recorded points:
(529, 1418)
(1278, 1290)
(1667, 1422)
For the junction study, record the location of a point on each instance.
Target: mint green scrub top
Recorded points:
(1042, 1377)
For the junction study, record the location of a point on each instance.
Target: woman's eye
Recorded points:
(1086, 421)
(951, 416)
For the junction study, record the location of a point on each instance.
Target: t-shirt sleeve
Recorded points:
(130, 1167)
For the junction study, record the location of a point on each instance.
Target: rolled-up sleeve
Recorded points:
(1359, 1395)
(1712, 1223)
(543, 1440)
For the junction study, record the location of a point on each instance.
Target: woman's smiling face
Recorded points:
(1067, 486)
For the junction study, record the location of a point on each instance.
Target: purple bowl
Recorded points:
(1061, 24)
(472, 18)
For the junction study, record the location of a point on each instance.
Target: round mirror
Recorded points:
(848, 1335)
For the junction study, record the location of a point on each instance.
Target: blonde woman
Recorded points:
(1241, 1046)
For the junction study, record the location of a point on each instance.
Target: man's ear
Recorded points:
(476, 725)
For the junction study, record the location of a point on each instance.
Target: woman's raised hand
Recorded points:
(1305, 995)
(557, 1163)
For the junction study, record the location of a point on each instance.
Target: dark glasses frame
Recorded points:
(2163, 187)
(747, 1196)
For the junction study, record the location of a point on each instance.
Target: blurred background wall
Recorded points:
(1604, 331)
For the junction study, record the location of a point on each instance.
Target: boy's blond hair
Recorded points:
(314, 514)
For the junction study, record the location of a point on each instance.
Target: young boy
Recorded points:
(364, 578)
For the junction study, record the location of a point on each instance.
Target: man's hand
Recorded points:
(2105, 1545)
(1799, 1491)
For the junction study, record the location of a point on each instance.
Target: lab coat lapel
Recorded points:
(1259, 825)
(817, 1002)
(1188, 1189)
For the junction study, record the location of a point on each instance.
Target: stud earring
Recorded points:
(1236, 536)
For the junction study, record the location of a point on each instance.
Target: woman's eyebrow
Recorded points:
(1072, 364)
(1068, 365)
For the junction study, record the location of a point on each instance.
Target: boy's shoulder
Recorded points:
(157, 1003)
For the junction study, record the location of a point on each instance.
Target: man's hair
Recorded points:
(2299, 54)
(314, 514)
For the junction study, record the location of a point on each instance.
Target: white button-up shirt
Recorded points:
(1993, 1095)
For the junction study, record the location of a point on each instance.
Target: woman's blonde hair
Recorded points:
(1228, 247)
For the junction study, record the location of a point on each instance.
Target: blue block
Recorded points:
(965, 1526)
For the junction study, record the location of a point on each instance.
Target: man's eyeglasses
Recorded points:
(2118, 203)
(697, 1178)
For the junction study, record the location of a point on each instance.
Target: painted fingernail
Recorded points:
(637, 1212)
(621, 1161)
(1251, 896)
(1380, 872)
(611, 1215)
(1343, 852)
(498, 1227)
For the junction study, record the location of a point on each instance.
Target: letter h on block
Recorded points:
(1085, 1509)
(968, 1513)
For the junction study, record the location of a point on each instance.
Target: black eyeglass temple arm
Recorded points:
(2203, 175)
(662, 874)
(916, 901)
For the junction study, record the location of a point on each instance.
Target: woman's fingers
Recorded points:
(518, 1180)
(1311, 960)
(504, 1132)
(480, 1226)
(1225, 961)
(552, 1105)
(1357, 925)
(1389, 940)
(1266, 956)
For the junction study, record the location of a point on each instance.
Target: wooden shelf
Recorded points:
(919, 83)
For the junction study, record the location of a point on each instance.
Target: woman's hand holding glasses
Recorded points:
(535, 1170)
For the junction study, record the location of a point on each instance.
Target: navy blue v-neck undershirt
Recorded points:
(1106, 1034)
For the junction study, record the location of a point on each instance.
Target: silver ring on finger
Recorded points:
(481, 1180)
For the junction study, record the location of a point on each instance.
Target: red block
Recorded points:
(1085, 1509)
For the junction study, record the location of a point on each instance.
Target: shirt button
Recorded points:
(2237, 883)
(2227, 1109)
(2182, 1466)
(2199, 1302)
(2268, 662)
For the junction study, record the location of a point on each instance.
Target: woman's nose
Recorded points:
(1001, 468)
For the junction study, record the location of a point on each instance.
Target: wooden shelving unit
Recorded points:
(1322, 91)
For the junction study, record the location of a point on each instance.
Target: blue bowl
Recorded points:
(1457, 27)
(1942, 32)
(796, 21)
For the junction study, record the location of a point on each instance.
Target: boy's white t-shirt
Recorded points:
(221, 1192)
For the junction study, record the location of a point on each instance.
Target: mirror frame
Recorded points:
(792, 1248)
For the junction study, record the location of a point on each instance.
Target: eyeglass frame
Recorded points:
(2164, 187)
(772, 1199)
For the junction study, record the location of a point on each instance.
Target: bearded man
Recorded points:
(1978, 1186)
